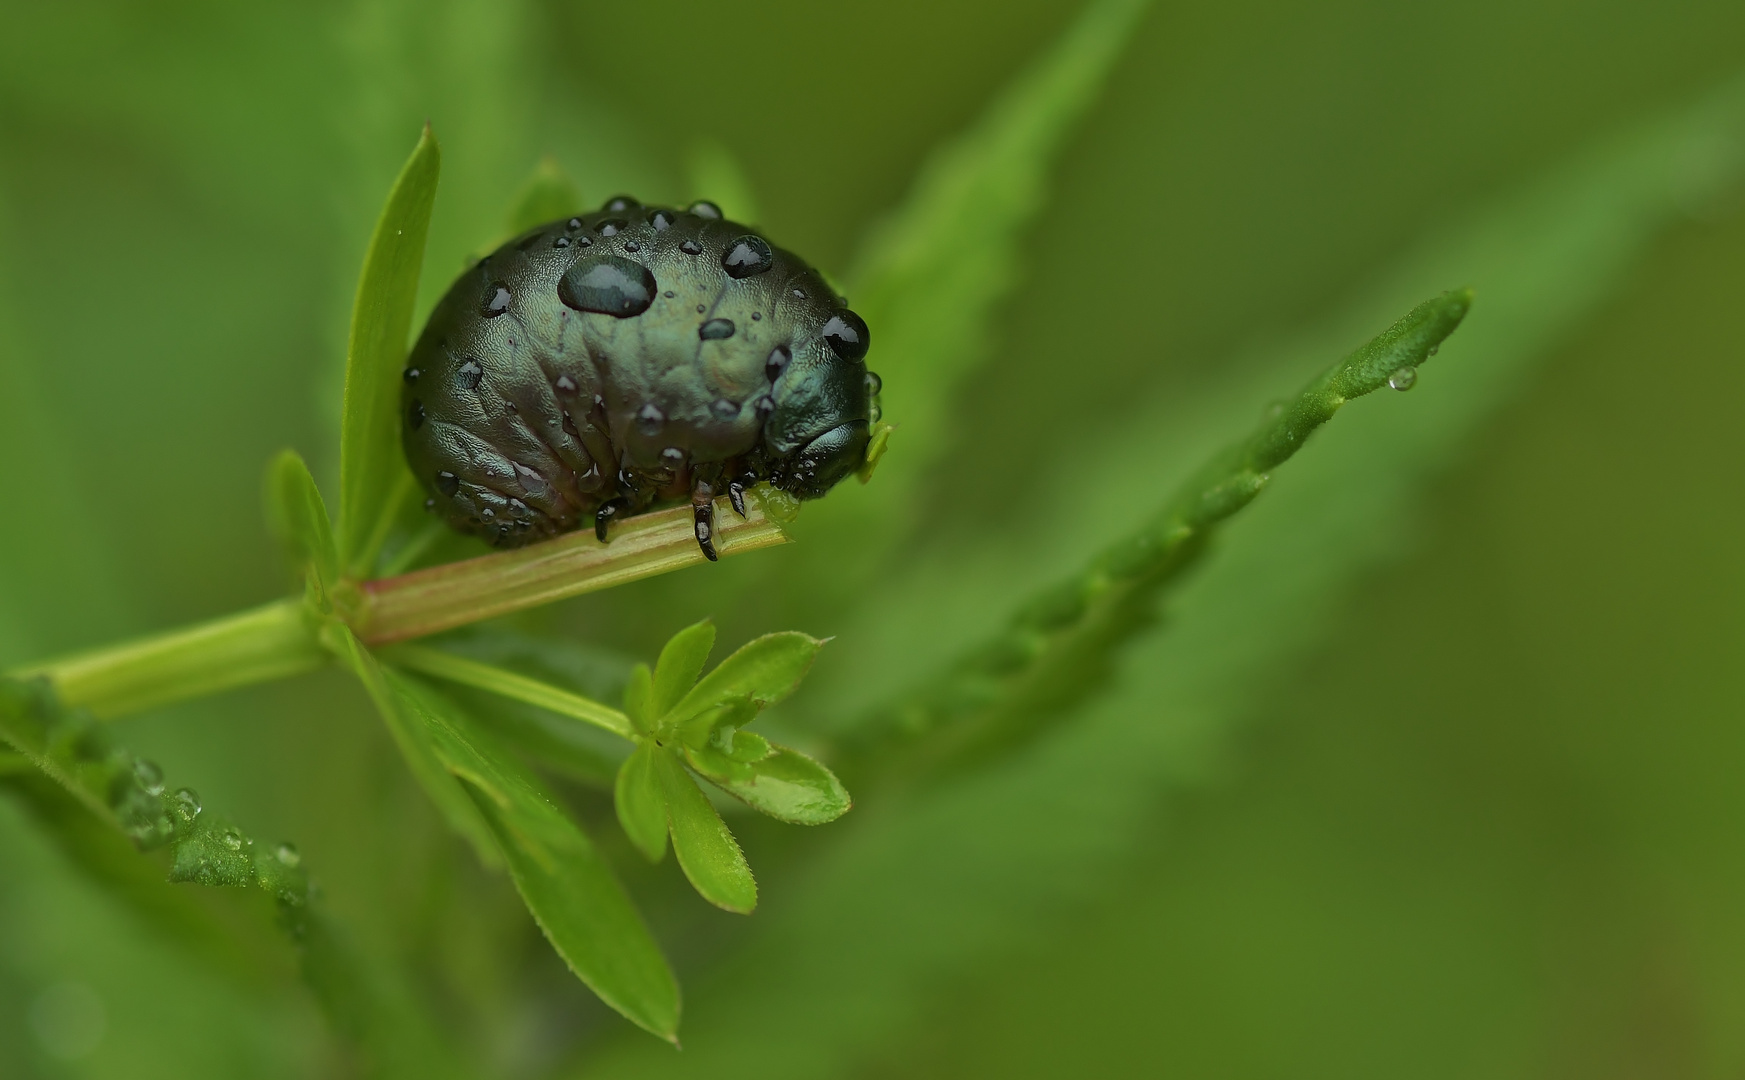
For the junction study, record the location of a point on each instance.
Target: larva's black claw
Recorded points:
(736, 495)
(705, 515)
(604, 516)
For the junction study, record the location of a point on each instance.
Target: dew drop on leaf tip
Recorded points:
(1404, 378)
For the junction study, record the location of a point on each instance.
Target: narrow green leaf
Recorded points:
(372, 474)
(641, 808)
(765, 670)
(706, 848)
(299, 518)
(549, 194)
(681, 661)
(481, 676)
(786, 785)
(411, 732)
(638, 694)
(565, 883)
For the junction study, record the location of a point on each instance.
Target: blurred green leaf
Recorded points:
(786, 785)
(548, 195)
(638, 697)
(374, 480)
(446, 665)
(563, 880)
(764, 671)
(410, 727)
(681, 661)
(637, 798)
(705, 846)
(299, 517)
(715, 174)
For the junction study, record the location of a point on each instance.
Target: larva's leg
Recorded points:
(736, 495)
(609, 510)
(703, 510)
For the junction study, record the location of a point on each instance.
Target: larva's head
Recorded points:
(825, 402)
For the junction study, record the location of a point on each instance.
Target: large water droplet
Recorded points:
(415, 414)
(716, 329)
(447, 483)
(288, 855)
(847, 334)
(874, 384)
(531, 479)
(661, 220)
(1404, 379)
(649, 419)
(496, 300)
(777, 362)
(703, 208)
(608, 285)
(150, 777)
(617, 204)
(611, 226)
(469, 374)
(747, 257)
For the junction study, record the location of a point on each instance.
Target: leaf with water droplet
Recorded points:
(373, 477)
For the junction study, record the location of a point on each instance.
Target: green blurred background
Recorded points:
(1434, 770)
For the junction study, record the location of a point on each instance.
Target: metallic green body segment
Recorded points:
(551, 380)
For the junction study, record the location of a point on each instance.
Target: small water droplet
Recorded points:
(777, 362)
(565, 385)
(716, 329)
(617, 204)
(874, 384)
(799, 294)
(530, 478)
(874, 413)
(608, 285)
(488, 514)
(672, 457)
(517, 507)
(187, 804)
(703, 208)
(232, 839)
(288, 855)
(496, 300)
(611, 226)
(470, 374)
(764, 406)
(661, 220)
(447, 483)
(847, 334)
(1404, 379)
(649, 419)
(429, 504)
(631, 245)
(584, 241)
(691, 247)
(575, 223)
(415, 414)
(669, 294)
(411, 375)
(150, 777)
(569, 426)
(756, 316)
(701, 308)
(561, 242)
(747, 256)
(724, 409)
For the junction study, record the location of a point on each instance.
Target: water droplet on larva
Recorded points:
(496, 300)
(288, 855)
(724, 409)
(649, 419)
(873, 384)
(561, 242)
(702, 308)
(747, 256)
(411, 375)
(415, 414)
(765, 405)
(470, 374)
(617, 204)
(691, 247)
(672, 457)
(1404, 378)
(429, 504)
(756, 316)
(631, 245)
(447, 483)
(847, 334)
(611, 226)
(530, 478)
(669, 294)
(565, 385)
(661, 220)
(777, 362)
(703, 208)
(575, 223)
(150, 777)
(799, 294)
(488, 514)
(716, 329)
(607, 285)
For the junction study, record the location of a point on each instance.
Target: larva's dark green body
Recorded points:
(633, 356)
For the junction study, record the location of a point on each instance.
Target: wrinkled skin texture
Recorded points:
(601, 365)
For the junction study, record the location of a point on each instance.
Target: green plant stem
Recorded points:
(458, 669)
(444, 597)
(275, 641)
(280, 640)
